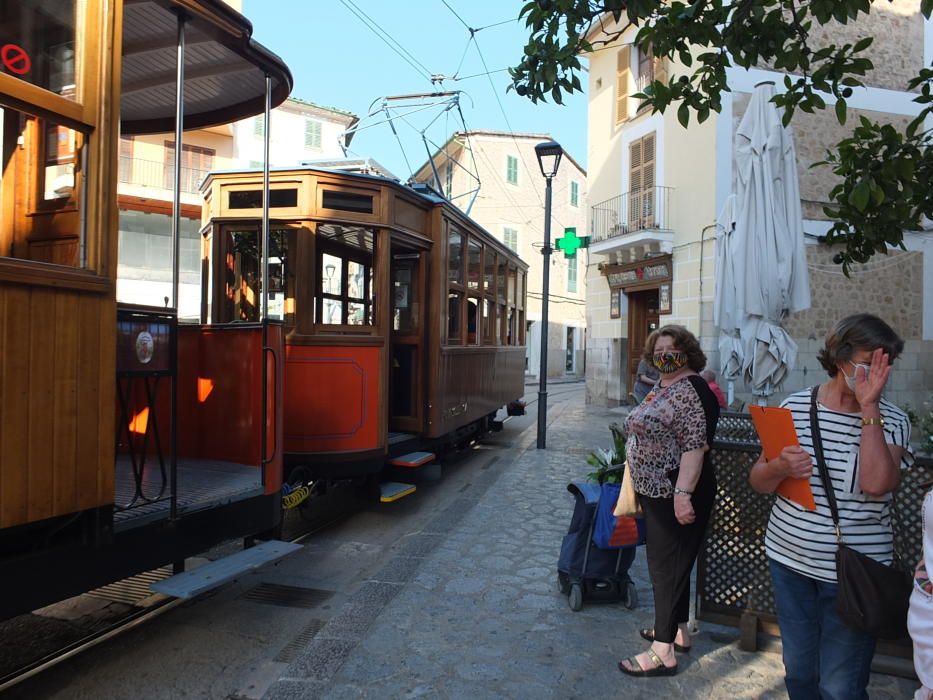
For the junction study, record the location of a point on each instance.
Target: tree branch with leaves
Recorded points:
(884, 175)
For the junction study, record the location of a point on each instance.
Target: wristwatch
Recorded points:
(682, 492)
(879, 421)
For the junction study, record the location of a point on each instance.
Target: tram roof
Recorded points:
(421, 191)
(225, 68)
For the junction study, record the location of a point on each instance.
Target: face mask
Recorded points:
(669, 362)
(850, 381)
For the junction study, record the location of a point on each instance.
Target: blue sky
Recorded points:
(337, 61)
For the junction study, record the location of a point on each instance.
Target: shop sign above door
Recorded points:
(643, 274)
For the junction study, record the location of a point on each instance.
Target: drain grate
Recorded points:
(291, 650)
(287, 596)
(132, 590)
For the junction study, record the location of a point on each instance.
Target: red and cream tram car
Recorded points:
(125, 443)
(404, 320)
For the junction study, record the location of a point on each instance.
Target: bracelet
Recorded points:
(682, 492)
(873, 421)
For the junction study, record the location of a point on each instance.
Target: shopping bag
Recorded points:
(628, 504)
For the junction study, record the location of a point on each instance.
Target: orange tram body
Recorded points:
(404, 320)
(127, 442)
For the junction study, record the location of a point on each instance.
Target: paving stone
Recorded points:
(320, 660)
(398, 570)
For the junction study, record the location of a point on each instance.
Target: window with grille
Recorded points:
(572, 274)
(312, 133)
(574, 193)
(259, 126)
(642, 191)
(511, 170)
(449, 185)
(510, 238)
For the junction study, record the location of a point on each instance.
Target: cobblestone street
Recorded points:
(468, 607)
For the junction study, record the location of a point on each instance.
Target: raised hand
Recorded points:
(870, 385)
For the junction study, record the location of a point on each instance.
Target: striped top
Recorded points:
(805, 540)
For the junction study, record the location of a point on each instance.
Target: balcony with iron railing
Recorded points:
(637, 217)
(159, 175)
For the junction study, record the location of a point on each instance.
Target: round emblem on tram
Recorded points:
(145, 347)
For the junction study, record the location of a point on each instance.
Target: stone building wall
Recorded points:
(889, 286)
(813, 135)
(897, 51)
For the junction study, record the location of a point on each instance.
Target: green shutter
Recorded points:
(574, 193)
(511, 171)
(572, 275)
(312, 133)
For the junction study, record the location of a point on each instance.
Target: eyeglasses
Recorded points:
(860, 365)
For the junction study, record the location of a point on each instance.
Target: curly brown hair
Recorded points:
(854, 333)
(684, 341)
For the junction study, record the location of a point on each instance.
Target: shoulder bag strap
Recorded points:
(821, 461)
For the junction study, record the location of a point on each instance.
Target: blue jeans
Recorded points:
(824, 659)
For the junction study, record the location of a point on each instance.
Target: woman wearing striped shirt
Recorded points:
(866, 444)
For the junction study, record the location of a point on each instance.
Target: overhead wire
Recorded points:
(387, 38)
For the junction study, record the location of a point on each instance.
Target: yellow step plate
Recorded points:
(392, 491)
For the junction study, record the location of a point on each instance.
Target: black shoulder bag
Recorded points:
(871, 597)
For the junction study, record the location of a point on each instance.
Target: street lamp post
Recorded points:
(549, 154)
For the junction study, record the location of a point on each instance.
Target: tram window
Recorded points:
(503, 275)
(345, 272)
(243, 280)
(520, 292)
(521, 327)
(489, 321)
(489, 276)
(510, 328)
(455, 257)
(252, 199)
(43, 38)
(474, 257)
(454, 302)
(472, 319)
(43, 159)
(347, 201)
(513, 275)
(500, 324)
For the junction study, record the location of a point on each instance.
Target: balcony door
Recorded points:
(641, 204)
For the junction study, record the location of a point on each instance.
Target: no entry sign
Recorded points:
(15, 59)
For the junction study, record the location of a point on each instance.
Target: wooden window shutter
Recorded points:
(623, 73)
(641, 183)
(660, 70)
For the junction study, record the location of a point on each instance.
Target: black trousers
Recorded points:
(672, 549)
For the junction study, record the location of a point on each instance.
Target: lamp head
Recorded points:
(549, 154)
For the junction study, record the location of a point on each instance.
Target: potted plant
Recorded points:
(606, 463)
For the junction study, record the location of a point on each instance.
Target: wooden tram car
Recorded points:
(77, 375)
(404, 320)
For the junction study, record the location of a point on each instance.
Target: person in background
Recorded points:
(710, 377)
(866, 444)
(668, 436)
(920, 617)
(645, 378)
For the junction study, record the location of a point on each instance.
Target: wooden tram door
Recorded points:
(406, 347)
(643, 317)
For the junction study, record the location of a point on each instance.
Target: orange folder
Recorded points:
(776, 431)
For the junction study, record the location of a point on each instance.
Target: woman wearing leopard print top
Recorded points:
(667, 448)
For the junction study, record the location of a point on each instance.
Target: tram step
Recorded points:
(392, 491)
(192, 583)
(412, 459)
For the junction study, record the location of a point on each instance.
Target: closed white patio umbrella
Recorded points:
(767, 247)
(726, 313)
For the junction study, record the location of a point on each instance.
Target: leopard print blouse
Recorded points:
(670, 421)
